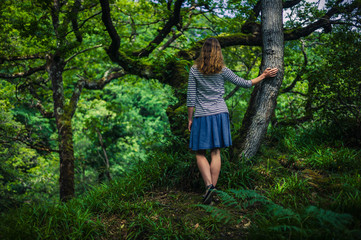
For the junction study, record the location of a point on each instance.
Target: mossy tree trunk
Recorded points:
(55, 67)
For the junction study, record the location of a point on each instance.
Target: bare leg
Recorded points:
(215, 165)
(203, 166)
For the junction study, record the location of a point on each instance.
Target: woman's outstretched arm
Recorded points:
(267, 73)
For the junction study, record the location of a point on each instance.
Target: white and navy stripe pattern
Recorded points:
(205, 92)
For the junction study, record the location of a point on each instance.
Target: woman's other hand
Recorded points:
(270, 72)
(189, 124)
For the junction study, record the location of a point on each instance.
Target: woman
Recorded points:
(210, 128)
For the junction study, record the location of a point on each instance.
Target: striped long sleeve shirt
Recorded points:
(205, 92)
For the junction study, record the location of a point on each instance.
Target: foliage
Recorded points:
(339, 88)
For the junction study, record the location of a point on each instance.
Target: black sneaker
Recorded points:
(209, 194)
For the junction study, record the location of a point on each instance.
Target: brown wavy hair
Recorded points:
(210, 60)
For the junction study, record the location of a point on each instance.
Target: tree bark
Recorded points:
(263, 98)
(55, 67)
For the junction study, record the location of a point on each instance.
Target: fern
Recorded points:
(220, 215)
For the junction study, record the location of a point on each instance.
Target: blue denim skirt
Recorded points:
(210, 132)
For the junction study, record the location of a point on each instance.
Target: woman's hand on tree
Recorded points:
(270, 72)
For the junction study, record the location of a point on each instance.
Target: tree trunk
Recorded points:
(106, 160)
(263, 98)
(55, 67)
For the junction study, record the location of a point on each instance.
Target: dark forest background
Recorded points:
(93, 138)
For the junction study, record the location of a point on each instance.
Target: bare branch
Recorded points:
(23, 74)
(82, 51)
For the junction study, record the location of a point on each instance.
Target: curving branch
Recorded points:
(173, 20)
(113, 49)
(122, 59)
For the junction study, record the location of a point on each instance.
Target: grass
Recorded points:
(302, 185)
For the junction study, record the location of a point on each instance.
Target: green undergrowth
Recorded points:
(303, 184)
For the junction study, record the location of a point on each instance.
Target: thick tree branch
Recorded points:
(109, 75)
(106, 18)
(255, 38)
(128, 64)
(225, 41)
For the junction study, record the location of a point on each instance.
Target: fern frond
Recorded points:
(227, 199)
(220, 215)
